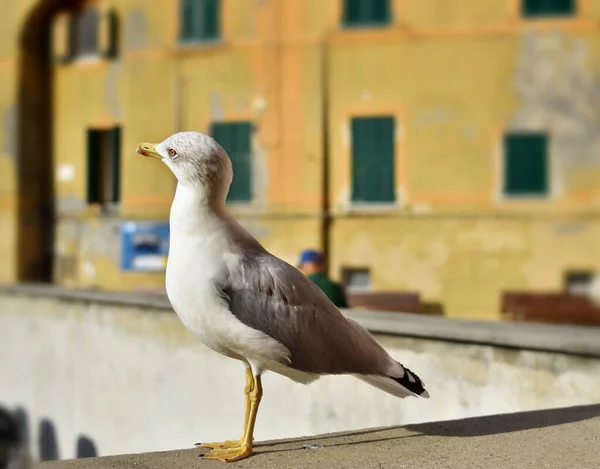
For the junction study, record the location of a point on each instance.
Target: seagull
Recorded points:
(247, 304)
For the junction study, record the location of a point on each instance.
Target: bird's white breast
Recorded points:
(198, 260)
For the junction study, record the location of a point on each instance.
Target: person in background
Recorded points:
(312, 264)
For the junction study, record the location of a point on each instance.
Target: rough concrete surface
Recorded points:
(558, 438)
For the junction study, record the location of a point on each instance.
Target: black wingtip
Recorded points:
(411, 382)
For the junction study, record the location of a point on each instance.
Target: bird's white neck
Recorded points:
(193, 211)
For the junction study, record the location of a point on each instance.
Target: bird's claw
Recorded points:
(229, 454)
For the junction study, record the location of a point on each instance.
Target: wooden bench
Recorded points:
(549, 307)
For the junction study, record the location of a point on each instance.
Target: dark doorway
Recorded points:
(35, 168)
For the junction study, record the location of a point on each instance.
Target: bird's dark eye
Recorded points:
(172, 153)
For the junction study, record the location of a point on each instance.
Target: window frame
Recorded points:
(78, 31)
(67, 31)
(349, 24)
(104, 146)
(527, 14)
(504, 163)
(232, 156)
(191, 41)
(373, 204)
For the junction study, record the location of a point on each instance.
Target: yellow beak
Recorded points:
(148, 149)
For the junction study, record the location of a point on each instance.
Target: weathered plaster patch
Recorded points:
(10, 132)
(570, 228)
(102, 238)
(216, 109)
(136, 30)
(260, 175)
(414, 269)
(69, 204)
(506, 238)
(112, 92)
(419, 270)
(559, 93)
(433, 116)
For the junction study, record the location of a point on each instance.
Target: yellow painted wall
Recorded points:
(465, 262)
(456, 80)
(456, 74)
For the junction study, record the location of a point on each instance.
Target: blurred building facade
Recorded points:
(445, 147)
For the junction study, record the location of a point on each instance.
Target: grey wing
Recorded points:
(269, 295)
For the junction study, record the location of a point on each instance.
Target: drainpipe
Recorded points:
(326, 220)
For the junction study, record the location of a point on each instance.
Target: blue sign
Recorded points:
(145, 246)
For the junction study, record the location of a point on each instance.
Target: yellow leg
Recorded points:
(236, 443)
(245, 448)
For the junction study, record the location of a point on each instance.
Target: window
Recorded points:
(526, 164)
(357, 280)
(366, 13)
(235, 138)
(85, 33)
(104, 166)
(537, 8)
(200, 20)
(581, 283)
(373, 159)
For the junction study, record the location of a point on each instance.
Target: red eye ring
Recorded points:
(172, 153)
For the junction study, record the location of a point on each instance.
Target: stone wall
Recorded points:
(97, 374)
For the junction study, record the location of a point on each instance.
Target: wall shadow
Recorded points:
(470, 427)
(22, 419)
(47, 441)
(507, 423)
(15, 431)
(85, 448)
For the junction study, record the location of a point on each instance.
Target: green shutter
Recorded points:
(351, 11)
(380, 12)
(115, 155)
(235, 138)
(366, 12)
(535, 8)
(526, 164)
(93, 167)
(186, 10)
(373, 159)
(211, 19)
(113, 35)
(200, 20)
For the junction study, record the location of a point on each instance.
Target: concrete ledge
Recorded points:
(559, 438)
(573, 340)
(142, 300)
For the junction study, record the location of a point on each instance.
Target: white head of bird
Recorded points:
(197, 161)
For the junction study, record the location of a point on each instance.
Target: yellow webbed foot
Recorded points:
(229, 454)
(223, 444)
